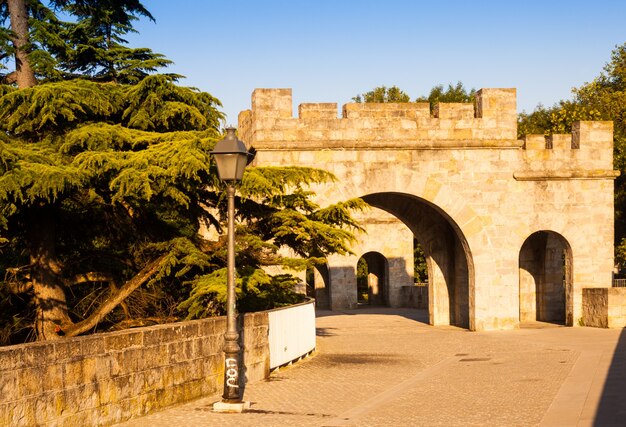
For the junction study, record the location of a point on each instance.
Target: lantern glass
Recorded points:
(230, 166)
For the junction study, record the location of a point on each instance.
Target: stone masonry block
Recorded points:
(604, 307)
(385, 110)
(36, 352)
(8, 383)
(67, 349)
(30, 382)
(123, 340)
(535, 142)
(189, 329)
(497, 103)
(53, 377)
(92, 345)
(560, 142)
(592, 135)
(317, 111)
(454, 110)
(11, 357)
(153, 335)
(206, 327)
(272, 103)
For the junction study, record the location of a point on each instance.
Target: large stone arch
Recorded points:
(449, 259)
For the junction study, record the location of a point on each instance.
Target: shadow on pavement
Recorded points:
(417, 314)
(612, 408)
(325, 332)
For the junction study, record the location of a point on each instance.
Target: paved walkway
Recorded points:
(387, 367)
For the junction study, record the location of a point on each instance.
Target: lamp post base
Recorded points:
(232, 408)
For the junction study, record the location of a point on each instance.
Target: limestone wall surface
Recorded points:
(604, 308)
(107, 378)
(462, 164)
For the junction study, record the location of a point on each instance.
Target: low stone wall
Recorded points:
(106, 378)
(604, 307)
(414, 296)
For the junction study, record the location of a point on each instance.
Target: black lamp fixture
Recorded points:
(231, 156)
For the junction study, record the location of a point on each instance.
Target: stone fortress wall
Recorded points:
(513, 230)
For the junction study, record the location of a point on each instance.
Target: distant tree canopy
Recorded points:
(383, 94)
(439, 93)
(106, 180)
(456, 93)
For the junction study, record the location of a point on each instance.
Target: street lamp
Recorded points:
(231, 157)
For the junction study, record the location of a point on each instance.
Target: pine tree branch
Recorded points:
(19, 287)
(10, 78)
(114, 300)
(92, 276)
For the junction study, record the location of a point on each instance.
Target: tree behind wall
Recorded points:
(106, 179)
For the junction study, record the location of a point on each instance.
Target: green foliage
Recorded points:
(456, 93)
(558, 119)
(535, 123)
(362, 285)
(420, 268)
(255, 289)
(53, 108)
(156, 104)
(383, 94)
(90, 45)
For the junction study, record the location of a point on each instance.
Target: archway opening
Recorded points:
(446, 253)
(371, 279)
(545, 271)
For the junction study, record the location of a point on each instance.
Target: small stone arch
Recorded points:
(545, 278)
(373, 287)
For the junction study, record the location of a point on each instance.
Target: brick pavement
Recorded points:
(378, 367)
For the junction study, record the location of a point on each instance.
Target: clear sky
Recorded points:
(332, 50)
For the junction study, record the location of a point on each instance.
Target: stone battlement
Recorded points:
(586, 153)
(491, 122)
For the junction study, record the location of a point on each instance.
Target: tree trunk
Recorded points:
(50, 301)
(18, 13)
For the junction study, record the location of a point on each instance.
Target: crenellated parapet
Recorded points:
(491, 122)
(586, 153)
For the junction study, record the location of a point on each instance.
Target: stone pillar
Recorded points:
(342, 276)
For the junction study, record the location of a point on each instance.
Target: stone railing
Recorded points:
(107, 378)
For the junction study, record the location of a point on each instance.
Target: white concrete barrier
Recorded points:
(291, 333)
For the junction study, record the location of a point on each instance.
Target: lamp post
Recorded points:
(231, 157)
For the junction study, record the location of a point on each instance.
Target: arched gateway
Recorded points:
(472, 194)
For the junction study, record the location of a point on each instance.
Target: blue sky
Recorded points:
(330, 51)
